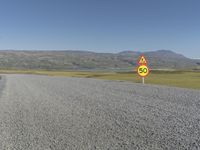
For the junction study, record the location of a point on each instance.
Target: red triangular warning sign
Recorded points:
(142, 60)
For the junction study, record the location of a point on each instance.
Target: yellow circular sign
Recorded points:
(143, 70)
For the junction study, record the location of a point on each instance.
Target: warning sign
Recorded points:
(142, 69)
(142, 60)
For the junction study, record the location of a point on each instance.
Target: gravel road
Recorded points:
(57, 113)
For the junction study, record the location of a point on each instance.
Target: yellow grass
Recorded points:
(185, 79)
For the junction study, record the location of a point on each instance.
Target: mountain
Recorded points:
(87, 60)
(162, 59)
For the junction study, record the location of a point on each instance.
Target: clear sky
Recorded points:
(101, 25)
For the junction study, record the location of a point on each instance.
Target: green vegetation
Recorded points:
(185, 79)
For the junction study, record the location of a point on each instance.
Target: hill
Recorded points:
(162, 59)
(86, 60)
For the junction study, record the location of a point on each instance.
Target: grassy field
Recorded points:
(185, 79)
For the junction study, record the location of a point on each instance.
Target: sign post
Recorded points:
(142, 69)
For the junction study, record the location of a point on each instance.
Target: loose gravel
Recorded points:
(57, 113)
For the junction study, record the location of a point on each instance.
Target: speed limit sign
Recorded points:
(143, 70)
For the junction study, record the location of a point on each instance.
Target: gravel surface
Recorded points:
(57, 113)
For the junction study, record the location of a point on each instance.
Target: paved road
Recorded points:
(57, 113)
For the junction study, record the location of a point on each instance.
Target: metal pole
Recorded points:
(142, 80)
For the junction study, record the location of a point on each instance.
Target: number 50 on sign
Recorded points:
(143, 70)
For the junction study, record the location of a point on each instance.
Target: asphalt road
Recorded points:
(57, 113)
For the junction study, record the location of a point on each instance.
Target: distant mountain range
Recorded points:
(86, 60)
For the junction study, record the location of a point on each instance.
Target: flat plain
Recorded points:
(175, 78)
(56, 113)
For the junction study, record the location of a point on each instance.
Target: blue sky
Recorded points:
(101, 25)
